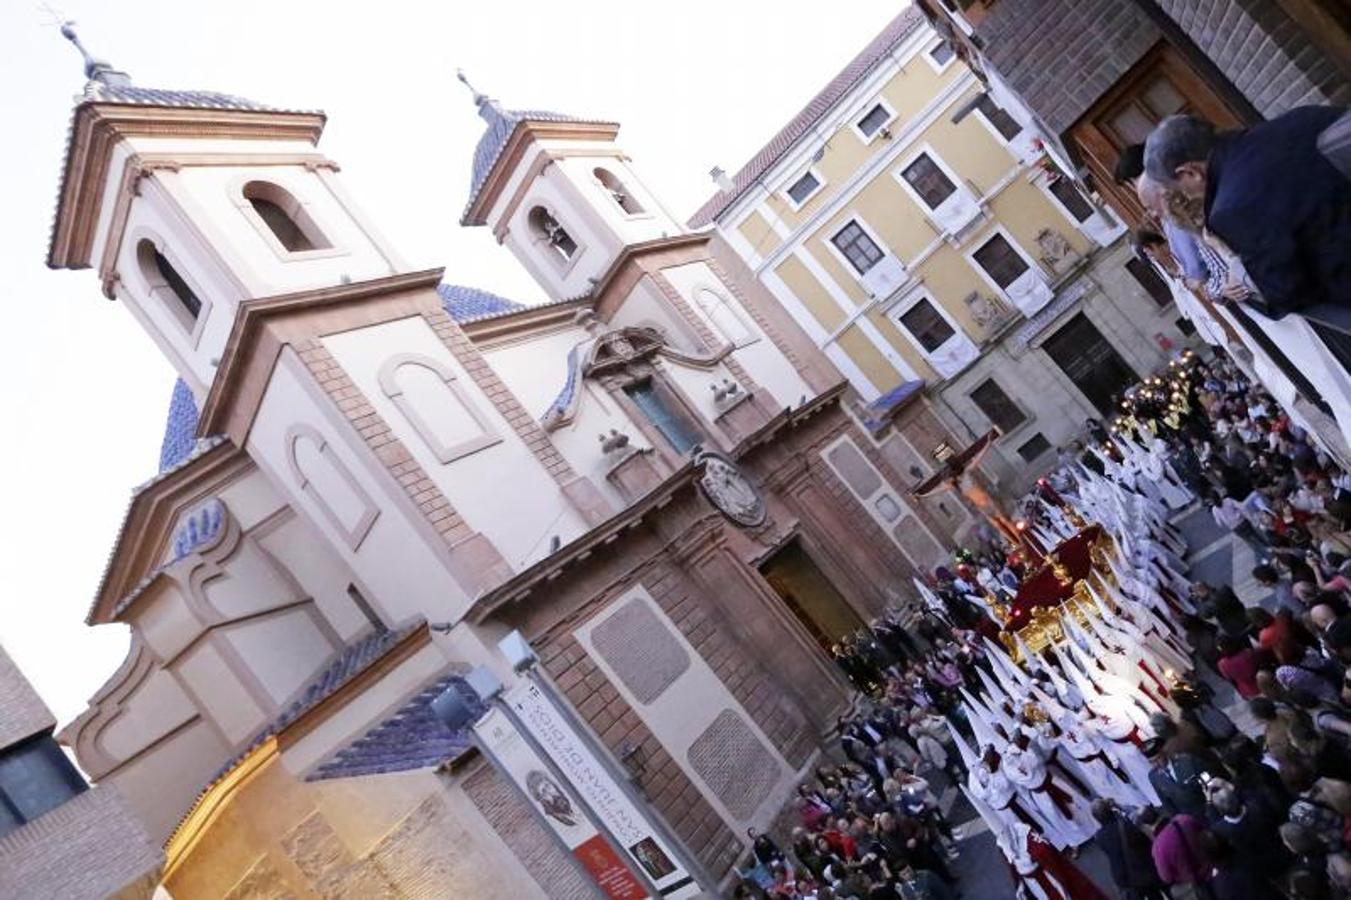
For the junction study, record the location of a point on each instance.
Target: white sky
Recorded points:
(693, 84)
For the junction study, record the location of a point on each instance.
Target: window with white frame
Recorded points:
(873, 120)
(930, 182)
(1000, 261)
(1070, 197)
(548, 231)
(801, 190)
(927, 325)
(998, 117)
(168, 286)
(159, 272)
(941, 54)
(950, 204)
(1008, 269)
(857, 247)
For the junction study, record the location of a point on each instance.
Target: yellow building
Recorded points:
(914, 226)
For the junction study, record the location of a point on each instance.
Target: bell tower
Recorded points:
(558, 191)
(190, 203)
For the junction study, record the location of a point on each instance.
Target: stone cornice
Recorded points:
(98, 127)
(147, 527)
(228, 409)
(790, 417)
(524, 582)
(531, 320)
(526, 131)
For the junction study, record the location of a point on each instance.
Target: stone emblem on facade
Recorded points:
(988, 314)
(730, 491)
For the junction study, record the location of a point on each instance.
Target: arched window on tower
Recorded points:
(163, 280)
(285, 217)
(618, 192)
(546, 228)
(726, 319)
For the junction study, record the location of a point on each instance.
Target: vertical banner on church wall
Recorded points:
(630, 828)
(557, 806)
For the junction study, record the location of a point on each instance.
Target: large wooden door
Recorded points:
(1090, 361)
(810, 595)
(1160, 85)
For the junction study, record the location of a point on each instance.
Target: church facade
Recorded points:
(373, 481)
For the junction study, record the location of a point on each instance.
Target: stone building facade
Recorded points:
(58, 837)
(370, 478)
(914, 224)
(1095, 76)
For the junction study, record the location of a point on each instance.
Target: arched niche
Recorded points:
(728, 321)
(437, 406)
(325, 479)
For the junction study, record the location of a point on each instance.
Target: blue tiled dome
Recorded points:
(180, 429)
(501, 123)
(464, 304)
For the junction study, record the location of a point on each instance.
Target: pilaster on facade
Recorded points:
(577, 490)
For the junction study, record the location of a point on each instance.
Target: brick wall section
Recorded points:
(599, 703)
(1060, 56)
(898, 481)
(1265, 54)
(747, 681)
(89, 847)
(663, 782)
(500, 395)
(22, 712)
(530, 841)
(376, 432)
(866, 529)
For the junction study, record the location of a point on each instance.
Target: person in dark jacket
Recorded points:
(1248, 828)
(1236, 877)
(1127, 849)
(1270, 194)
(1177, 780)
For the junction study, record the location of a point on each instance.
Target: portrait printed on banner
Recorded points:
(551, 798)
(652, 858)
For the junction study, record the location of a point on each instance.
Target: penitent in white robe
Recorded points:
(1064, 828)
(1086, 745)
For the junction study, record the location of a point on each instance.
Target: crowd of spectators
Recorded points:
(1244, 813)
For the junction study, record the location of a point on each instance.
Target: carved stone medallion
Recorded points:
(730, 491)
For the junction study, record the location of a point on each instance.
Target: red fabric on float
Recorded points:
(1042, 588)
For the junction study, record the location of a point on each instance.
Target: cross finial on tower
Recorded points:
(479, 99)
(95, 69)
